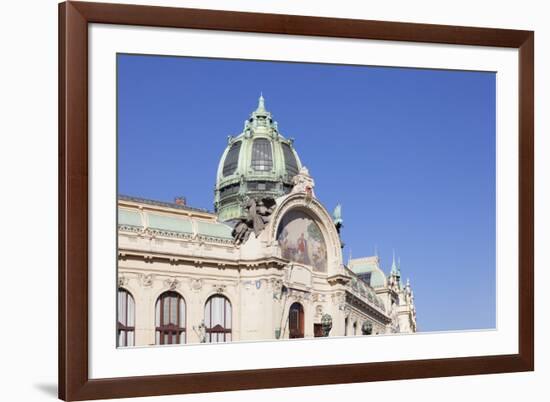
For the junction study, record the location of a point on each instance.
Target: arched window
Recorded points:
(262, 158)
(296, 321)
(217, 319)
(170, 319)
(232, 159)
(126, 314)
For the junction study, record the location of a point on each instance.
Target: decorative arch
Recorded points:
(126, 317)
(170, 319)
(317, 212)
(218, 319)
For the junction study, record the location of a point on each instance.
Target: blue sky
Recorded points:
(409, 153)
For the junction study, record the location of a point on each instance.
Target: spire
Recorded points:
(393, 266)
(399, 266)
(261, 103)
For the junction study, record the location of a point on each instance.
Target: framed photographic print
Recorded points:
(260, 200)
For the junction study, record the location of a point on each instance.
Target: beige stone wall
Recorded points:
(260, 285)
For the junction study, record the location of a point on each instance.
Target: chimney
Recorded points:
(180, 201)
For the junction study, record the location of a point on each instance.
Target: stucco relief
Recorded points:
(172, 283)
(122, 281)
(146, 280)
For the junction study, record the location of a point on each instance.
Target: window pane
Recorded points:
(122, 307)
(182, 313)
(173, 310)
(157, 313)
(121, 338)
(207, 318)
(261, 155)
(232, 159)
(131, 311)
(227, 314)
(290, 160)
(166, 311)
(182, 337)
(130, 338)
(217, 311)
(157, 337)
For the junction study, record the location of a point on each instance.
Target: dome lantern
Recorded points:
(258, 163)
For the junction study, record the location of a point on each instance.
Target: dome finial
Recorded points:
(261, 103)
(393, 266)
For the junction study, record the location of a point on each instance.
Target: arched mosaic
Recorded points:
(301, 240)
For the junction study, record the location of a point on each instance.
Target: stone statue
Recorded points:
(366, 328)
(201, 332)
(337, 217)
(326, 324)
(303, 182)
(257, 216)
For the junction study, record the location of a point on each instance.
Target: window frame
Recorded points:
(124, 327)
(162, 329)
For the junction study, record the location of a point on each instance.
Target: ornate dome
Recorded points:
(257, 163)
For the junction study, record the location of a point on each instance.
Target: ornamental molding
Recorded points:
(219, 287)
(318, 212)
(146, 280)
(172, 283)
(195, 285)
(123, 281)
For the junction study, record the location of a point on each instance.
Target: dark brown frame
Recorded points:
(74, 383)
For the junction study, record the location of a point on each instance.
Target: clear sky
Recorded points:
(409, 153)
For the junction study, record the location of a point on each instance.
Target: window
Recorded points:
(217, 319)
(262, 158)
(126, 317)
(170, 319)
(366, 277)
(296, 321)
(232, 159)
(355, 328)
(291, 164)
(346, 323)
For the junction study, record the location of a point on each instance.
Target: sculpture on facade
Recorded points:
(366, 328)
(303, 183)
(326, 324)
(257, 216)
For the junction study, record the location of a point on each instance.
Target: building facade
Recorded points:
(267, 264)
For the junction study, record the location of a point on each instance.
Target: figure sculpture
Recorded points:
(257, 217)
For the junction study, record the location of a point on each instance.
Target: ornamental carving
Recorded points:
(146, 280)
(172, 283)
(122, 281)
(195, 285)
(219, 288)
(316, 209)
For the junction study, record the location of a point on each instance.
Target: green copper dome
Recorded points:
(257, 163)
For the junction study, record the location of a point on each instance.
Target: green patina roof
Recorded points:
(170, 223)
(214, 229)
(129, 217)
(177, 224)
(363, 266)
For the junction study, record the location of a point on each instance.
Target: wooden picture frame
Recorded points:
(74, 381)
